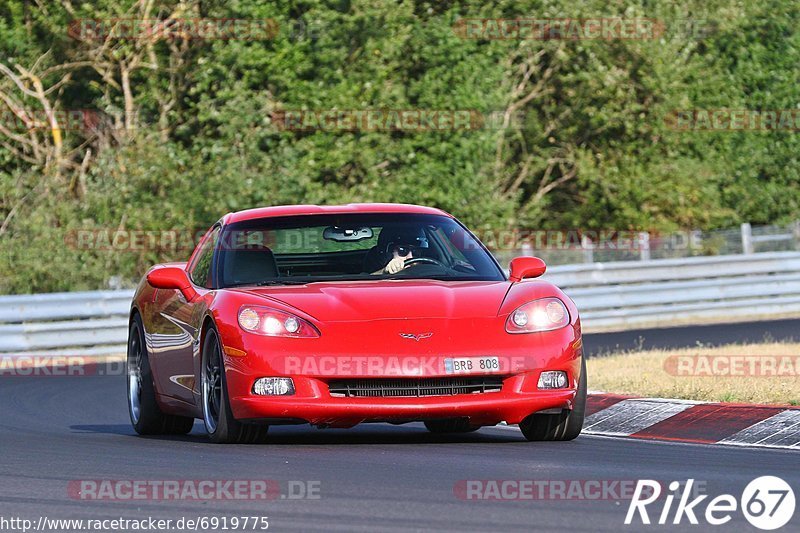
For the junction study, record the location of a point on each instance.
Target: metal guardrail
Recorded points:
(64, 305)
(672, 292)
(611, 296)
(65, 320)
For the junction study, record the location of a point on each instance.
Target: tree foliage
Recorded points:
(176, 131)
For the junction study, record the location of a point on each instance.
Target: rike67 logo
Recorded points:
(767, 503)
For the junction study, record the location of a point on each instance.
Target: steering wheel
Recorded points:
(420, 260)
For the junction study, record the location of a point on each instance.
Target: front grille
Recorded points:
(414, 387)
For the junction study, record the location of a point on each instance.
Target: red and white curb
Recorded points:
(695, 422)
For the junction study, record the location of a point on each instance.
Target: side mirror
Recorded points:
(526, 267)
(172, 278)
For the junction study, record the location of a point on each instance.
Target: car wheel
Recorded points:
(220, 423)
(146, 416)
(564, 426)
(450, 425)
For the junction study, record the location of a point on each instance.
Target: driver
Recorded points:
(396, 246)
(397, 262)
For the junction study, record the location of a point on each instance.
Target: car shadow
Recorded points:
(382, 434)
(125, 430)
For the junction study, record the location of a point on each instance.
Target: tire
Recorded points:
(221, 426)
(450, 425)
(146, 416)
(564, 426)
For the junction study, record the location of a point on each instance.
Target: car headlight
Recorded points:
(545, 314)
(274, 323)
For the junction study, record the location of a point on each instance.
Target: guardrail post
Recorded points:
(695, 240)
(796, 233)
(747, 238)
(644, 246)
(588, 249)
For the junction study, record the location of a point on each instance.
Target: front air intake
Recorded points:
(414, 387)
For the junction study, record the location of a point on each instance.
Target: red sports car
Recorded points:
(337, 315)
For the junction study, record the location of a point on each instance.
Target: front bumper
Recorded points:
(523, 358)
(489, 409)
(313, 404)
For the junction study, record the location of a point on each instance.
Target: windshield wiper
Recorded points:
(269, 282)
(281, 282)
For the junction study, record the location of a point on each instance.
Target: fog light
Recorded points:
(553, 379)
(273, 387)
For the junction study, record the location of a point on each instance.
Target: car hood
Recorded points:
(390, 299)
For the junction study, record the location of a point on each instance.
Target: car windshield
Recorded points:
(348, 247)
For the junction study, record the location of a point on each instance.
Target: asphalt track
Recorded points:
(692, 336)
(375, 477)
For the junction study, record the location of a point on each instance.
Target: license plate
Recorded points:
(471, 365)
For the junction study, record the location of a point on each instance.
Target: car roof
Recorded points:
(296, 210)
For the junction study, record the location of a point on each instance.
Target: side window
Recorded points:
(201, 270)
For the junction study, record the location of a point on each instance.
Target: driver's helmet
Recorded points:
(402, 239)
